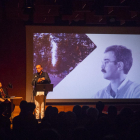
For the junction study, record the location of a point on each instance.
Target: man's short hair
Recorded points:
(39, 65)
(122, 54)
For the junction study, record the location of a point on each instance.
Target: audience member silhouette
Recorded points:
(137, 116)
(48, 134)
(77, 111)
(112, 111)
(80, 133)
(84, 111)
(92, 125)
(123, 122)
(70, 125)
(134, 131)
(4, 124)
(92, 113)
(25, 124)
(100, 107)
(70, 122)
(50, 117)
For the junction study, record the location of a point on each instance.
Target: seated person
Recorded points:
(3, 93)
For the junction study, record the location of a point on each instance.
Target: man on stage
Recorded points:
(40, 78)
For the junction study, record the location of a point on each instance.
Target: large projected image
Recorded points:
(81, 67)
(60, 53)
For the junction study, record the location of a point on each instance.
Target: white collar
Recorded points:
(119, 88)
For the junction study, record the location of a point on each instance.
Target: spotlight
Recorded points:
(28, 7)
(29, 4)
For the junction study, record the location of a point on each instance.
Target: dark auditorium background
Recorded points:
(16, 14)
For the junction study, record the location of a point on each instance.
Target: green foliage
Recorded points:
(71, 50)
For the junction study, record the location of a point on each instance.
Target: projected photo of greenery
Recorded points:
(60, 53)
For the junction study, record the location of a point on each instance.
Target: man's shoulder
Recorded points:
(133, 84)
(101, 93)
(44, 72)
(132, 89)
(102, 90)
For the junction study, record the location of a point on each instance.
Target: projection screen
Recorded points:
(73, 57)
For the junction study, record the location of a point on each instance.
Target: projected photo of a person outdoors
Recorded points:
(115, 66)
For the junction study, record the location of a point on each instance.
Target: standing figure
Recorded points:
(40, 78)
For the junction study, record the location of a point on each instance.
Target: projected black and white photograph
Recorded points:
(115, 66)
(89, 66)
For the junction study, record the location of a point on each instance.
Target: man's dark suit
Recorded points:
(36, 76)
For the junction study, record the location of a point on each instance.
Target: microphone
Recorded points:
(34, 80)
(36, 76)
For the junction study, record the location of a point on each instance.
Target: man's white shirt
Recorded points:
(127, 89)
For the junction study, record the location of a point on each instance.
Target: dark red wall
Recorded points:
(13, 57)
